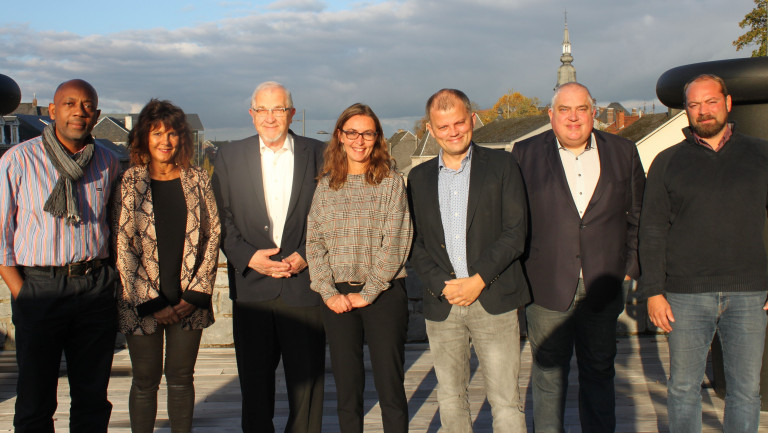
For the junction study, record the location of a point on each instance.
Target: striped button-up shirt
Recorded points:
(30, 236)
(453, 192)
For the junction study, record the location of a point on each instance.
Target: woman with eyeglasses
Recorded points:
(358, 238)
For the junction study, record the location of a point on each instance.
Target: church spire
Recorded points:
(566, 73)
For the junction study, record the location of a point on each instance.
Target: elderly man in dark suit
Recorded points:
(264, 186)
(469, 212)
(585, 189)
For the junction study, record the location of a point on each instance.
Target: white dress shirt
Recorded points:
(582, 172)
(277, 175)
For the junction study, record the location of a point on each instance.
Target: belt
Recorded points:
(79, 269)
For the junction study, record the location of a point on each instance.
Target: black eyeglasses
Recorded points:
(352, 135)
(277, 111)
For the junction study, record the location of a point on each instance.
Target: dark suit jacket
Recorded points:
(237, 182)
(603, 243)
(496, 228)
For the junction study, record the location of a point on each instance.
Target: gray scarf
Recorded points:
(62, 202)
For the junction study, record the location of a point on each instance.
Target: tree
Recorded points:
(755, 20)
(512, 104)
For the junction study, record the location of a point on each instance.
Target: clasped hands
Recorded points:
(291, 265)
(343, 303)
(173, 314)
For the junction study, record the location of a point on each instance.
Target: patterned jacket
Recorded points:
(135, 240)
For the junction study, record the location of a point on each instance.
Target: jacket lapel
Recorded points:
(189, 185)
(145, 210)
(300, 161)
(557, 171)
(476, 181)
(604, 155)
(253, 158)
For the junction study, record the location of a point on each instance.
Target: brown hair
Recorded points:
(335, 166)
(158, 112)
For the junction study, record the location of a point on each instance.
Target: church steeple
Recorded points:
(566, 73)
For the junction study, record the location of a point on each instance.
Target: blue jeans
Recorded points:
(496, 339)
(740, 321)
(590, 326)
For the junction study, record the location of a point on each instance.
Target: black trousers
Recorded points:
(263, 333)
(384, 324)
(76, 316)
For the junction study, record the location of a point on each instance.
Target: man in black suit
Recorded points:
(264, 186)
(585, 189)
(469, 212)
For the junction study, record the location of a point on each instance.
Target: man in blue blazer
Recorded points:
(264, 186)
(469, 212)
(585, 190)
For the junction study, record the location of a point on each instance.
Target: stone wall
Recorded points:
(632, 321)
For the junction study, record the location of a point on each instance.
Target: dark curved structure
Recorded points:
(747, 82)
(10, 95)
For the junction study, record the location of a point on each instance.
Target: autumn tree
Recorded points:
(755, 21)
(512, 104)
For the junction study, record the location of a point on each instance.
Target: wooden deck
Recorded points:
(641, 368)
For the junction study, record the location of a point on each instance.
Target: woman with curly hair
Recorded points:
(166, 230)
(358, 239)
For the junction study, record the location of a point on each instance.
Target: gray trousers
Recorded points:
(496, 340)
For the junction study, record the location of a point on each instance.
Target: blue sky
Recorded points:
(104, 17)
(391, 54)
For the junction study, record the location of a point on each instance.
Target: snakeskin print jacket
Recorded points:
(135, 240)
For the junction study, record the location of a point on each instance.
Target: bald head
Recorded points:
(82, 85)
(75, 112)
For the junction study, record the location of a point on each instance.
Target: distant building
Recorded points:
(502, 134)
(115, 127)
(401, 145)
(566, 73)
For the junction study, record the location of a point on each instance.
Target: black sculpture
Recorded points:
(10, 95)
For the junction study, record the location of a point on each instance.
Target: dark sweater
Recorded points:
(703, 217)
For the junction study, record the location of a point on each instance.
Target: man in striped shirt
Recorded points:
(54, 237)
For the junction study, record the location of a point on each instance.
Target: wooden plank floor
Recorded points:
(641, 368)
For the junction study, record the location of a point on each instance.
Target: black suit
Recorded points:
(272, 316)
(496, 228)
(603, 246)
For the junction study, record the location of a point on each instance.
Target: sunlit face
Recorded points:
(272, 125)
(163, 144)
(358, 149)
(75, 111)
(452, 128)
(572, 117)
(706, 107)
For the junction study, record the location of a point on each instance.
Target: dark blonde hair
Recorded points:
(335, 166)
(164, 113)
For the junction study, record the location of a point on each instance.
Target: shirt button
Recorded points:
(266, 228)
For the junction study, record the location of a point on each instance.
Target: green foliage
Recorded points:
(755, 21)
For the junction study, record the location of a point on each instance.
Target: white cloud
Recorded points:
(389, 54)
(298, 5)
